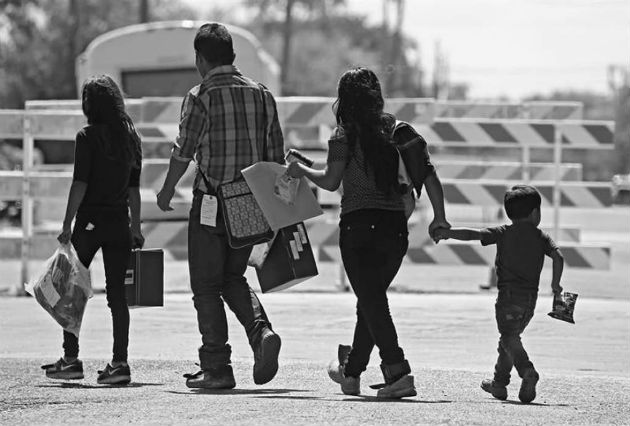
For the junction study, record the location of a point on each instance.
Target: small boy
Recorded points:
(521, 248)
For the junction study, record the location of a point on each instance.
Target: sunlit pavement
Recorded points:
(450, 341)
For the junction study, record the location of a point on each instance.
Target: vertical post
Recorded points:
(526, 164)
(27, 201)
(557, 159)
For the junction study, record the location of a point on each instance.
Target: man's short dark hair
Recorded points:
(520, 201)
(214, 42)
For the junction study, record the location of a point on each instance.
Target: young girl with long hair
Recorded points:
(373, 225)
(105, 198)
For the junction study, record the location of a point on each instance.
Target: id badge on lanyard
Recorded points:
(209, 207)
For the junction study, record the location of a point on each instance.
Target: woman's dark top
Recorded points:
(108, 179)
(359, 187)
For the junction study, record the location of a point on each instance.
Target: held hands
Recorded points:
(295, 170)
(435, 229)
(164, 198)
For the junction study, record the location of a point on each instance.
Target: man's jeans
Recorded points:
(217, 275)
(513, 312)
(373, 244)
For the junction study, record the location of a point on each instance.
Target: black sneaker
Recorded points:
(64, 370)
(498, 391)
(215, 378)
(120, 375)
(527, 392)
(266, 357)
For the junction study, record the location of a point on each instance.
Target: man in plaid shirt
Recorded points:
(223, 128)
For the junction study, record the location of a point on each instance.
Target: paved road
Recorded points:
(449, 340)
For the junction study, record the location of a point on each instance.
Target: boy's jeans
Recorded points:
(217, 275)
(513, 311)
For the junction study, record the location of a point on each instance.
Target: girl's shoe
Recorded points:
(336, 371)
(120, 375)
(337, 366)
(64, 370)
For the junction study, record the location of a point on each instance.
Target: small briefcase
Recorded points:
(290, 260)
(144, 281)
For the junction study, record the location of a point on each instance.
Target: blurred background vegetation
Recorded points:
(314, 41)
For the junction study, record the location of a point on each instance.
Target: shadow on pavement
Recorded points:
(361, 398)
(237, 391)
(66, 385)
(540, 404)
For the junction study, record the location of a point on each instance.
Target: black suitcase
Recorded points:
(144, 281)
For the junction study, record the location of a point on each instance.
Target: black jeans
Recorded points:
(373, 244)
(217, 275)
(111, 234)
(513, 311)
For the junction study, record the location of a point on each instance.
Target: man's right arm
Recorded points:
(275, 139)
(191, 126)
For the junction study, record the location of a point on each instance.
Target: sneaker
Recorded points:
(497, 391)
(401, 388)
(266, 357)
(120, 375)
(215, 378)
(64, 370)
(349, 385)
(528, 387)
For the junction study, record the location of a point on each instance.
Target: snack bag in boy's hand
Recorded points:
(63, 288)
(563, 307)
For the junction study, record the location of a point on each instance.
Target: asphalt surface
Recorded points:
(450, 341)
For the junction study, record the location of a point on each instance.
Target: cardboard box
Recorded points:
(290, 260)
(144, 281)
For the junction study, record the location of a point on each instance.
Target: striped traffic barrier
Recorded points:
(51, 188)
(590, 256)
(491, 193)
(531, 110)
(514, 133)
(513, 171)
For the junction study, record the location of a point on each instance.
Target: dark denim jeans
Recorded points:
(513, 311)
(373, 244)
(112, 235)
(217, 275)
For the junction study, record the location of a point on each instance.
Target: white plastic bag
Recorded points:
(63, 288)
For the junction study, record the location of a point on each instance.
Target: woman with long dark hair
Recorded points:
(105, 198)
(373, 225)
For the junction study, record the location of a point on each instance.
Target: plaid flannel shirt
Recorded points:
(222, 127)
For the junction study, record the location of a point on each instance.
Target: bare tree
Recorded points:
(144, 11)
(287, 35)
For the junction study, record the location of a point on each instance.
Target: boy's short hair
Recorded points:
(520, 201)
(214, 42)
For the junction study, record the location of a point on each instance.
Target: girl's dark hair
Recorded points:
(359, 109)
(103, 104)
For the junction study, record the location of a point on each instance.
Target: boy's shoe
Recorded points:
(215, 378)
(401, 388)
(497, 391)
(64, 370)
(528, 386)
(266, 356)
(120, 375)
